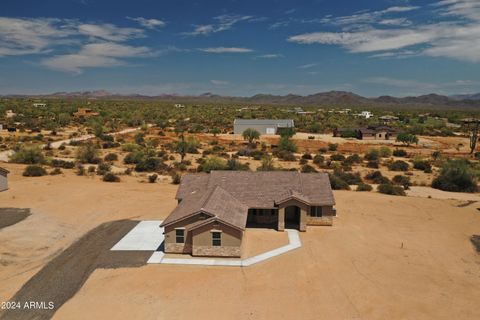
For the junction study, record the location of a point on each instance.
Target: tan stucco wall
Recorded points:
(170, 242)
(231, 241)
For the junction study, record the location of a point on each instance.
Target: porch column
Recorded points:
(281, 219)
(303, 220)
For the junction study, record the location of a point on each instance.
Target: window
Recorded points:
(216, 239)
(316, 212)
(179, 236)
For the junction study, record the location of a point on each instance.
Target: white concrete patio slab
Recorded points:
(145, 236)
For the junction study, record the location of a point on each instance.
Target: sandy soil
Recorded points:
(385, 258)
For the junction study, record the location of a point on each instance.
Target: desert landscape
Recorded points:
(385, 257)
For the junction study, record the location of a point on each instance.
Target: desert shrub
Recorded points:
(134, 157)
(373, 164)
(213, 163)
(34, 171)
(176, 178)
(80, 170)
(286, 156)
(149, 164)
(152, 178)
(257, 154)
(308, 169)
(436, 155)
(332, 146)
(318, 159)
(350, 178)
(88, 153)
(285, 144)
(364, 187)
(56, 171)
(235, 165)
(110, 145)
(62, 147)
(28, 155)
(398, 165)
(391, 190)
(303, 161)
(91, 169)
(377, 177)
(400, 153)
(110, 177)
(130, 147)
(385, 152)
(111, 157)
(354, 158)
(244, 152)
(402, 181)
(372, 155)
(323, 150)
(56, 163)
(423, 165)
(103, 168)
(307, 156)
(337, 157)
(456, 176)
(337, 183)
(267, 164)
(407, 138)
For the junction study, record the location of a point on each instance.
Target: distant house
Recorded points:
(215, 209)
(265, 127)
(10, 114)
(367, 133)
(39, 105)
(85, 113)
(388, 119)
(180, 106)
(366, 114)
(3, 179)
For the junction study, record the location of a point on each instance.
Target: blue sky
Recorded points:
(370, 47)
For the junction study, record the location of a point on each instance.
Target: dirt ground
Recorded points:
(385, 258)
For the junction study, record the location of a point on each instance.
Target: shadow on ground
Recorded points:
(476, 242)
(62, 277)
(11, 216)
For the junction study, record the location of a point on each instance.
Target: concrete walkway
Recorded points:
(146, 236)
(294, 243)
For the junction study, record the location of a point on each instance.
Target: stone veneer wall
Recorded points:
(220, 251)
(178, 248)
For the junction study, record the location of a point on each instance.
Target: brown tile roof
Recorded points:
(228, 194)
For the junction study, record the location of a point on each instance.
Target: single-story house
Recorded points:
(215, 209)
(3, 179)
(84, 113)
(264, 126)
(367, 133)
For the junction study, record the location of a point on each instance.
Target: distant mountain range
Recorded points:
(323, 99)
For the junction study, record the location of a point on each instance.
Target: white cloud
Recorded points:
(455, 38)
(110, 32)
(219, 82)
(270, 56)
(105, 54)
(226, 50)
(149, 23)
(307, 66)
(21, 36)
(222, 23)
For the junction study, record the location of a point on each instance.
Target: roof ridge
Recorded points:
(209, 195)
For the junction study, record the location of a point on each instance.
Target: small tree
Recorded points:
(215, 131)
(251, 135)
(88, 153)
(456, 176)
(267, 164)
(285, 144)
(407, 138)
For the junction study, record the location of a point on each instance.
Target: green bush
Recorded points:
(176, 178)
(332, 147)
(398, 165)
(235, 165)
(62, 164)
(213, 163)
(350, 178)
(149, 164)
(103, 168)
(110, 177)
(354, 158)
(364, 187)
(152, 178)
(372, 155)
(423, 165)
(88, 153)
(385, 152)
(373, 164)
(399, 153)
(134, 157)
(308, 169)
(377, 177)
(337, 183)
(55, 172)
(456, 176)
(337, 157)
(318, 159)
(28, 155)
(111, 157)
(402, 181)
(391, 190)
(34, 171)
(285, 144)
